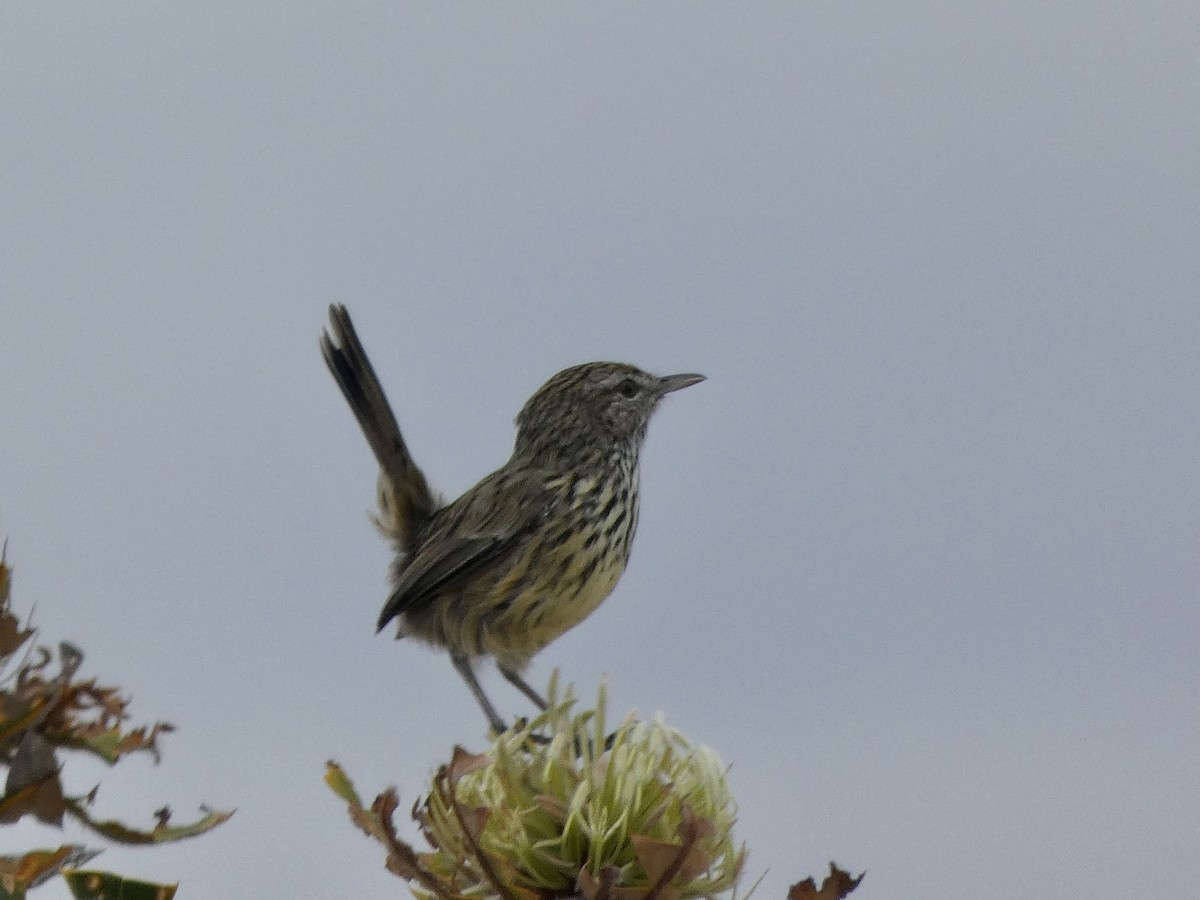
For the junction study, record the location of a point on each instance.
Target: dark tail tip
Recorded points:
(384, 617)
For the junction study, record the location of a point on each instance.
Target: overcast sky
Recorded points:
(919, 559)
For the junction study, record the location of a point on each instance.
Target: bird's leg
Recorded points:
(515, 679)
(463, 665)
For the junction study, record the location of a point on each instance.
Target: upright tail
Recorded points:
(406, 503)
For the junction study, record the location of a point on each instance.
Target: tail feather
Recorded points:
(411, 504)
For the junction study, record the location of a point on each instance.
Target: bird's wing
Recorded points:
(477, 531)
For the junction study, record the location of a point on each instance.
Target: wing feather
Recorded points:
(484, 527)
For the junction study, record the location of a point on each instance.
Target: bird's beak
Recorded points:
(669, 383)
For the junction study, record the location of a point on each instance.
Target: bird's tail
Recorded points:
(405, 501)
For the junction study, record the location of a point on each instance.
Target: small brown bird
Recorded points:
(533, 548)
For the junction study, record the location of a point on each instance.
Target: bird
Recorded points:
(533, 548)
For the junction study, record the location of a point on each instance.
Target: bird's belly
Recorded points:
(553, 592)
(587, 580)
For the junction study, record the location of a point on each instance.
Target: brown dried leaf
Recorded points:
(20, 872)
(474, 819)
(662, 884)
(44, 799)
(385, 807)
(835, 886)
(376, 821)
(402, 867)
(402, 859)
(657, 856)
(80, 715)
(16, 717)
(31, 671)
(463, 763)
(12, 635)
(593, 888)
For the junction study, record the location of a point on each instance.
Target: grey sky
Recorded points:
(919, 559)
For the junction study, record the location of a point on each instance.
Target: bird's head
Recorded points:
(593, 407)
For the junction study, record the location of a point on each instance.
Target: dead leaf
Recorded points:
(662, 886)
(12, 635)
(657, 856)
(463, 763)
(593, 888)
(44, 799)
(835, 886)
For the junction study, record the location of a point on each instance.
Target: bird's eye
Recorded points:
(628, 389)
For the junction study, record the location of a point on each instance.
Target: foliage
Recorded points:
(556, 809)
(91, 885)
(46, 709)
(837, 884)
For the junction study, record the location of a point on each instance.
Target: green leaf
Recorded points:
(92, 885)
(161, 833)
(339, 781)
